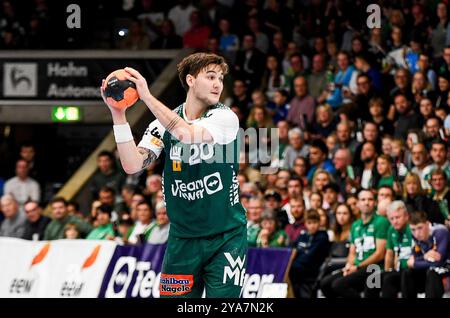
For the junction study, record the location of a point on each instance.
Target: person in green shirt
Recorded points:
(367, 246)
(398, 249)
(270, 235)
(384, 168)
(105, 229)
(255, 209)
(61, 217)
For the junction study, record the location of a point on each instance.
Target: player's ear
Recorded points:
(190, 80)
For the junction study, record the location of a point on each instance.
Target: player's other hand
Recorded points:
(141, 83)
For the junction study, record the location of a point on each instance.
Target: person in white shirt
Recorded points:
(22, 187)
(159, 231)
(143, 223)
(180, 14)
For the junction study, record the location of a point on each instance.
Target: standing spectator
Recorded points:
(398, 249)
(158, 233)
(22, 187)
(302, 105)
(36, 222)
(104, 229)
(254, 214)
(312, 248)
(368, 242)
(228, 42)
(180, 16)
(36, 168)
(107, 175)
(14, 223)
(60, 218)
(431, 251)
(136, 235)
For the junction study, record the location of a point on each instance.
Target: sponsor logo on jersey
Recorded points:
(175, 285)
(155, 133)
(155, 141)
(196, 189)
(235, 272)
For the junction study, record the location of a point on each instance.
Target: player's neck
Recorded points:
(194, 108)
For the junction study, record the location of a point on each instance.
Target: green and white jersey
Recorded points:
(402, 244)
(200, 185)
(364, 236)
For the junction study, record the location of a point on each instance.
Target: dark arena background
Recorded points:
(349, 105)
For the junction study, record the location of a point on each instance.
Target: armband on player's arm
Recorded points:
(148, 155)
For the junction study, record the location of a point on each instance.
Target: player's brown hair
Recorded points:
(195, 63)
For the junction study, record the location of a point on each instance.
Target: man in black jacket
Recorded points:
(36, 222)
(312, 249)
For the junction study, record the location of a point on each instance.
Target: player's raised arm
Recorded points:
(132, 158)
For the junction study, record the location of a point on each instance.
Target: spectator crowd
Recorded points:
(363, 122)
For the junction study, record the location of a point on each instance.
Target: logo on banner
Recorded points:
(236, 271)
(24, 285)
(73, 285)
(146, 283)
(20, 79)
(176, 285)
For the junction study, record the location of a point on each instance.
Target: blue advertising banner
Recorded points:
(133, 272)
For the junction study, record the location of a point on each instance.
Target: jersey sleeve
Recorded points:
(222, 124)
(382, 228)
(153, 137)
(389, 242)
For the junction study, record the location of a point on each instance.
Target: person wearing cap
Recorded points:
(331, 200)
(272, 202)
(270, 234)
(105, 229)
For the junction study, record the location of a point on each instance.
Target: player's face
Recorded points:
(208, 85)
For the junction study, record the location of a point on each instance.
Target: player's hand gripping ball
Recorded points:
(120, 92)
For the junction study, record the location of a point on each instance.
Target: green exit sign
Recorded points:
(66, 114)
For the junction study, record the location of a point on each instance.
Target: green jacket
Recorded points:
(101, 232)
(55, 229)
(277, 239)
(252, 234)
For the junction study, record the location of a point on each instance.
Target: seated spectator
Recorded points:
(312, 248)
(104, 229)
(167, 38)
(439, 184)
(431, 251)
(255, 209)
(398, 249)
(158, 233)
(318, 154)
(14, 223)
(407, 117)
(315, 200)
(273, 79)
(302, 105)
(297, 209)
(107, 175)
(270, 234)
(74, 209)
(107, 196)
(125, 223)
(71, 231)
(438, 154)
(248, 62)
(344, 80)
(22, 187)
(331, 200)
(180, 14)
(325, 122)
(272, 204)
(136, 234)
(36, 222)
(417, 200)
(384, 169)
(297, 148)
(61, 217)
(368, 241)
(278, 109)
